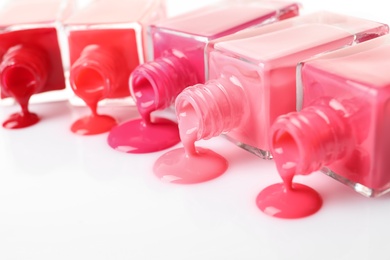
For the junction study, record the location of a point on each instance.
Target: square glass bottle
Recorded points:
(30, 55)
(343, 124)
(105, 40)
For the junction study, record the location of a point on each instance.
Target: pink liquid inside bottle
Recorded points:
(252, 79)
(106, 43)
(30, 55)
(343, 121)
(178, 46)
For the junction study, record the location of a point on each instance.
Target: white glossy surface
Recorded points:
(69, 197)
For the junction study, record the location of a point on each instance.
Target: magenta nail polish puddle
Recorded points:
(138, 136)
(189, 165)
(144, 135)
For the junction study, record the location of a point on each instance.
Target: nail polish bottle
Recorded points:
(179, 60)
(30, 57)
(106, 42)
(343, 124)
(252, 80)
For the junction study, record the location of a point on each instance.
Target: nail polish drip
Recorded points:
(288, 200)
(144, 135)
(92, 124)
(189, 165)
(23, 74)
(21, 85)
(92, 77)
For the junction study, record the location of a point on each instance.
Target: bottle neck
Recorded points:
(216, 107)
(155, 85)
(23, 72)
(310, 139)
(93, 76)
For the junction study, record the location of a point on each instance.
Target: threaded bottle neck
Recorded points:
(155, 85)
(93, 76)
(23, 72)
(310, 139)
(217, 107)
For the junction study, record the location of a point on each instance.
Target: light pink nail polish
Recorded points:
(105, 41)
(253, 77)
(342, 127)
(178, 46)
(30, 57)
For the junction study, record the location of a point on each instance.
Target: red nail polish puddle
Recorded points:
(20, 120)
(93, 124)
(189, 165)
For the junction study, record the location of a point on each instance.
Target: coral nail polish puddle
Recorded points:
(288, 200)
(191, 164)
(30, 55)
(105, 41)
(179, 45)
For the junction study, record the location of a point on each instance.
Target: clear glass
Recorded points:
(261, 64)
(38, 29)
(356, 81)
(118, 29)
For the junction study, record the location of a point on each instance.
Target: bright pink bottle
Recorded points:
(343, 124)
(178, 47)
(252, 79)
(30, 55)
(105, 40)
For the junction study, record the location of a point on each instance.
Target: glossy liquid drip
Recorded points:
(92, 92)
(144, 135)
(189, 165)
(20, 84)
(288, 200)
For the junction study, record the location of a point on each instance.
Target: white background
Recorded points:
(69, 197)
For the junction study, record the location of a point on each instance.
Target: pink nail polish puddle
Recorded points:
(344, 118)
(179, 51)
(105, 41)
(190, 164)
(30, 57)
(253, 75)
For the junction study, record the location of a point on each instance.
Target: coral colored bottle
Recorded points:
(343, 124)
(178, 46)
(105, 41)
(253, 74)
(30, 57)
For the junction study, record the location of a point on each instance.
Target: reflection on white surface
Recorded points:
(64, 196)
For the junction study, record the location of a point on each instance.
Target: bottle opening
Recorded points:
(89, 81)
(285, 151)
(20, 81)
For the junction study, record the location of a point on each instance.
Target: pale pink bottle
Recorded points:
(177, 47)
(343, 124)
(253, 74)
(30, 56)
(105, 40)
